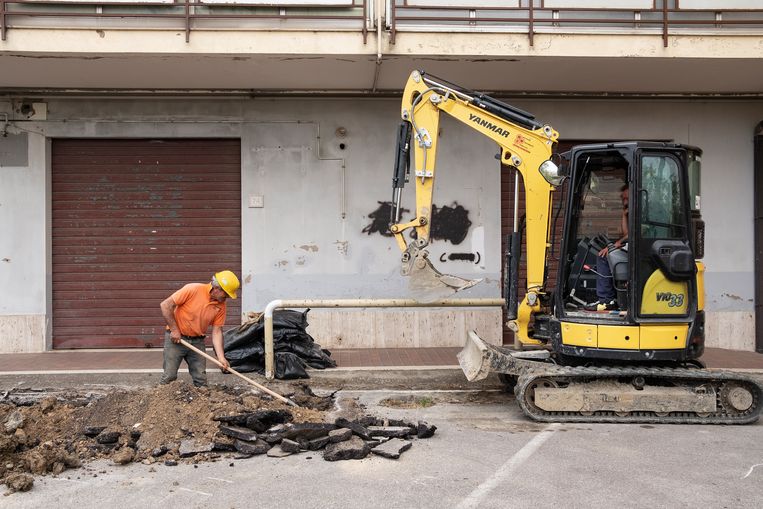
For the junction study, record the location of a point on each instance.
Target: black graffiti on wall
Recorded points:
(450, 223)
(461, 257)
(380, 219)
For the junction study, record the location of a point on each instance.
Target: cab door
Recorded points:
(664, 268)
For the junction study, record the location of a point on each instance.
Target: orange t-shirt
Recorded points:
(196, 309)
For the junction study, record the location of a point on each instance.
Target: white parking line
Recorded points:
(221, 480)
(197, 492)
(751, 469)
(480, 492)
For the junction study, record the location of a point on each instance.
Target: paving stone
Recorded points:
(340, 435)
(353, 449)
(356, 427)
(390, 431)
(238, 432)
(252, 448)
(392, 448)
(193, 447)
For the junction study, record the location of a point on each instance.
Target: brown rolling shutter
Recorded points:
(133, 221)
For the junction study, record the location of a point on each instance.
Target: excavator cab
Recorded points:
(633, 233)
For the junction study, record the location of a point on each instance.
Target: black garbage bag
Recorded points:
(290, 366)
(294, 348)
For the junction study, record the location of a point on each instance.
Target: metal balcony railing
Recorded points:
(331, 15)
(666, 17)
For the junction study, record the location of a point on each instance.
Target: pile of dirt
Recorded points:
(49, 433)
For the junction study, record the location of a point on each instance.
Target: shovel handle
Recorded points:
(247, 379)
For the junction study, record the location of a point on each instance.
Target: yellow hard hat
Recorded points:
(228, 282)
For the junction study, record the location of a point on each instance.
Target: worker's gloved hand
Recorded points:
(225, 364)
(175, 336)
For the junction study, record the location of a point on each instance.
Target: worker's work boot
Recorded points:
(602, 305)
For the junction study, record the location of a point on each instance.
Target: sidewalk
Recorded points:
(150, 360)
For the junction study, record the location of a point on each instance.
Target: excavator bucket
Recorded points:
(478, 359)
(428, 284)
(474, 358)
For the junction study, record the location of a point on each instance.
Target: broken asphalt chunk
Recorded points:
(392, 448)
(93, 431)
(14, 421)
(307, 430)
(238, 432)
(193, 447)
(277, 452)
(315, 443)
(340, 435)
(353, 449)
(290, 446)
(356, 427)
(251, 448)
(390, 431)
(424, 430)
(108, 437)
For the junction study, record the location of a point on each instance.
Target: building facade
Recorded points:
(148, 144)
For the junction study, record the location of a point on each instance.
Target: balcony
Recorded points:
(362, 46)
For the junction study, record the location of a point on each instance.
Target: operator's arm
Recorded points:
(168, 312)
(217, 345)
(624, 227)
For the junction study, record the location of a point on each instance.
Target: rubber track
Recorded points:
(675, 376)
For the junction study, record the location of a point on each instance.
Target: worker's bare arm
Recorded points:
(168, 312)
(217, 344)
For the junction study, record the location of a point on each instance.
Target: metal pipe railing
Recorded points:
(355, 303)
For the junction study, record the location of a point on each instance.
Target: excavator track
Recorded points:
(638, 395)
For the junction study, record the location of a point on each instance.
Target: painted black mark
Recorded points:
(466, 257)
(450, 223)
(380, 219)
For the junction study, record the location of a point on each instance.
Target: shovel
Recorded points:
(249, 380)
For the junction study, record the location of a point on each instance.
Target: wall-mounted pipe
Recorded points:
(355, 303)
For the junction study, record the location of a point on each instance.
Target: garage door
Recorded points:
(132, 221)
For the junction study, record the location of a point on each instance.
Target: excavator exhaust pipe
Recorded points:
(427, 283)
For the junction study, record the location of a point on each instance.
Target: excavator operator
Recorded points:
(606, 296)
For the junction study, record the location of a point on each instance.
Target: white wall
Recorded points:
(300, 246)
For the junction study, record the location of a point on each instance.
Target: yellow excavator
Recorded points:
(631, 357)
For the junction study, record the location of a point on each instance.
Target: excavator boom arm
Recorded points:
(525, 144)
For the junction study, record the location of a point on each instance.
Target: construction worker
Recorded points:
(605, 286)
(189, 312)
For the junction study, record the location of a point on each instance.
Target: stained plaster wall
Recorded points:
(307, 241)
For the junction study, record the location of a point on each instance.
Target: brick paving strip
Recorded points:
(151, 359)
